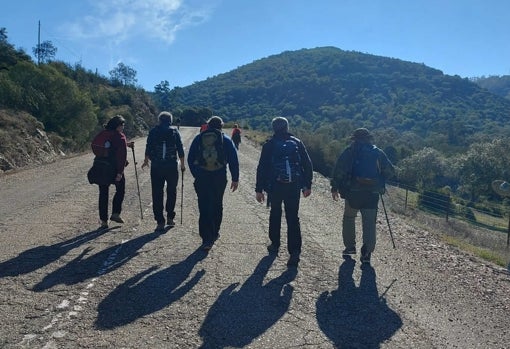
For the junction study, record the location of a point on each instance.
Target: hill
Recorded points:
(315, 87)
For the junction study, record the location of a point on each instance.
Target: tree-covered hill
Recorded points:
(315, 87)
(499, 85)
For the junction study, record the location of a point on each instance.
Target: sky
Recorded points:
(185, 41)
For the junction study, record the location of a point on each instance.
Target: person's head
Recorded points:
(215, 122)
(165, 117)
(116, 121)
(236, 126)
(280, 125)
(361, 135)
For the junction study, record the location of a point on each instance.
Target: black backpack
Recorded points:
(211, 152)
(165, 146)
(286, 161)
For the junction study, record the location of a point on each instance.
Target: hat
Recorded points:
(215, 122)
(501, 187)
(361, 134)
(165, 116)
(280, 124)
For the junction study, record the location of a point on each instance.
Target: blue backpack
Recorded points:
(286, 161)
(366, 171)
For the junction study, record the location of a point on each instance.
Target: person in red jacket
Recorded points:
(236, 135)
(118, 158)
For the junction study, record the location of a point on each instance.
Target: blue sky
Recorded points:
(184, 41)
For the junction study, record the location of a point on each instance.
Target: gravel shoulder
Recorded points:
(65, 285)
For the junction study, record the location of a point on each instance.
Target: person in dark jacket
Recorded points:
(164, 150)
(360, 191)
(284, 188)
(208, 161)
(118, 158)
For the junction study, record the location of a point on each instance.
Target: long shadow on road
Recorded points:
(82, 268)
(238, 317)
(148, 292)
(40, 256)
(356, 317)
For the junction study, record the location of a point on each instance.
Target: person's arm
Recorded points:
(233, 161)
(192, 153)
(180, 150)
(306, 163)
(148, 149)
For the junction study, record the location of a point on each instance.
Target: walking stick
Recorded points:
(387, 220)
(137, 185)
(182, 190)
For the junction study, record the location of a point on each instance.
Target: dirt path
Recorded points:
(64, 285)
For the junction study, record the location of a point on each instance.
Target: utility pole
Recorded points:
(39, 44)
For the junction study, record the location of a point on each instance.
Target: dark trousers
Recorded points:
(118, 198)
(289, 195)
(210, 189)
(159, 176)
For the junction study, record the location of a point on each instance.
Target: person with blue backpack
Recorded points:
(283, 172)
(164, 150)
(359, 177)
(210, 152)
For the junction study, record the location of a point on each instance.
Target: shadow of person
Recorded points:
(81, 268)
(238, 317)
(37, 257)
(356, 317)
(148, 292)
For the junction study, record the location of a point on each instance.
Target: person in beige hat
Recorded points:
(359, 177)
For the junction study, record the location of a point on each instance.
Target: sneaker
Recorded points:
(293, 260)
(160, 227)
(116, 218)
(171, 223)
(272, 249)
(349, 251)
(365, 258)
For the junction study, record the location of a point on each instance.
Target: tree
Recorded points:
(123, 75)
(162, 94)
(45, 52)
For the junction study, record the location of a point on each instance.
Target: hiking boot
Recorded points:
(272, 249)
(160, 227)
(293, 260)
(349, 251)
(171, 223)
(116, 218)
(103, 224)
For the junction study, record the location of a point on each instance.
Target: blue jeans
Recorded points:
(289, 195)
(159, 175)
(210, 189)
(118, 198)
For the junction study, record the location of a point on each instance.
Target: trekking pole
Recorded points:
(387, 220)
(137, 185)
(182, 190)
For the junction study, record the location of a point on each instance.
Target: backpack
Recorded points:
(101, 144)
(366, 172)
(286, 161)
(165, 146)
(211, 153)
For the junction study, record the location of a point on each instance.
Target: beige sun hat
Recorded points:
(501, 187)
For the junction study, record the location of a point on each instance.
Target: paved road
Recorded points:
(65, 285)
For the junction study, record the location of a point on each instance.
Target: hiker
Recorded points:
(359, 177)
(236, 136)
(283, 172)
(164, 150)
(209, 154)
(117, 156)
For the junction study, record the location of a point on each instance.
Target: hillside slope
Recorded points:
(63, 284)
(326, 84)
